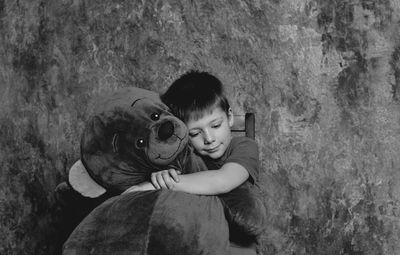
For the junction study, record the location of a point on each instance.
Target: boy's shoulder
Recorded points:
(242, 141)
(244, 151)
(241, 145)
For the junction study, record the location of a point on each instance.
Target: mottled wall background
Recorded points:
(323, 77)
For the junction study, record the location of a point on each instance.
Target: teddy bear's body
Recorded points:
(130, 135)
(153, 222)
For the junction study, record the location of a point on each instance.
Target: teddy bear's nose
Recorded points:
(166, 130)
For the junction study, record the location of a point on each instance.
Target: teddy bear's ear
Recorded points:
(81, 181)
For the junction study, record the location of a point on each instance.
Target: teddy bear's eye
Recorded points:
(140, 143)
(155, 116)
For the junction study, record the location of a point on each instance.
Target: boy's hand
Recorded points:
(165, 179)
(140, 187)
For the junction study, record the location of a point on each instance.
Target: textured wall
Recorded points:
(323, 77)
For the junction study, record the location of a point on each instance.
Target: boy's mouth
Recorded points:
(212, 150)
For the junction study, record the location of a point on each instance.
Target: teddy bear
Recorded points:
(131, 134)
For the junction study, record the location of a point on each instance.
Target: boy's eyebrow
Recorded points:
(217, 119)
(194, 130)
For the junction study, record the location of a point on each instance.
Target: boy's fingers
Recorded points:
(174, 174)
(154, 181)
(167, 180)
(161, 181)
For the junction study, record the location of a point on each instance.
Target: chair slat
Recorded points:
(244, 124)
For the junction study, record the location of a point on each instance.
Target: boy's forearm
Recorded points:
(213, 182)
(200, 183)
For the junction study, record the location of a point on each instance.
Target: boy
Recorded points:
(197, 99)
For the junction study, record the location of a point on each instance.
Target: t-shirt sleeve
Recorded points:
(245, 152)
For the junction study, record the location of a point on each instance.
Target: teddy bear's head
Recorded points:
(130, 135)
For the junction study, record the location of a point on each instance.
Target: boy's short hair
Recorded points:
(194, 93)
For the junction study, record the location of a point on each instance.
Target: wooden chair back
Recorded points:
(244, 125)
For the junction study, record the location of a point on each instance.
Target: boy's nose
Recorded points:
(208, 137)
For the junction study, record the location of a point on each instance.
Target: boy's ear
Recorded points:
(80, 180)
(230, 117)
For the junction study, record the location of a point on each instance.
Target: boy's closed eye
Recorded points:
(194, 134)
(216, 125)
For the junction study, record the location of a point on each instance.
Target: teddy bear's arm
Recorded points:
(245, 213)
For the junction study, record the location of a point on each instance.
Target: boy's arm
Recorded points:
(140, 187)
(213, 182)
(157, 178)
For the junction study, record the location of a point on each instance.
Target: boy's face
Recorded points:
(211, 134)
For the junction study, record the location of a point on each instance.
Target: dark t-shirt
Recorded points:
(241, 150)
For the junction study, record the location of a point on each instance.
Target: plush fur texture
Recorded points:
(153, 222)
(130, 135)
